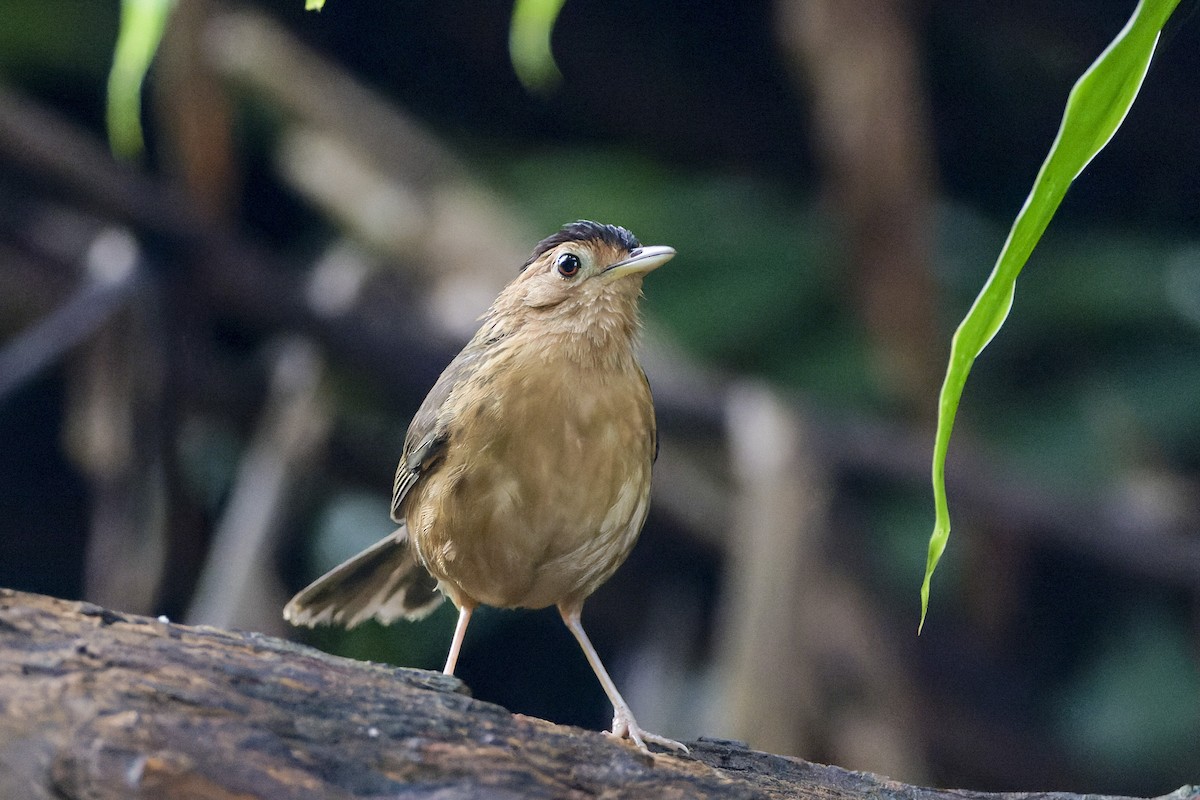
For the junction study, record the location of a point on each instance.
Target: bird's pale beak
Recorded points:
(641, 259)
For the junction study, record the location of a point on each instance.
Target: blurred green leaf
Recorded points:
(142, 23)
(529, 43)
(37, 49)
(314, 5)
(1095, 109)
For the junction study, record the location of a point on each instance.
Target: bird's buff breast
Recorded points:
(544, 487)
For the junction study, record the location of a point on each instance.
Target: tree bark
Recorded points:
(96, 704)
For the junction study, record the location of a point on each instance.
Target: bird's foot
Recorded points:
(626, 727)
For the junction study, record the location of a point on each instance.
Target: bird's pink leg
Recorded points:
(624, 725)
(460, 630)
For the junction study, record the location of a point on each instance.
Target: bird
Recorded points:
(524, 479)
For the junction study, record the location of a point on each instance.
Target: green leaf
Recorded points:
(314, 5)
(1095, 109)
(529, 43)
(142, 23)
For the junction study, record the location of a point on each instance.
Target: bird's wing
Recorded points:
(414, 464)
(430, 430)
(387, 581)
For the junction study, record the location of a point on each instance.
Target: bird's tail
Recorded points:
(385, 581)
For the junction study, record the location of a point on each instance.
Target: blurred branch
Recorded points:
(38, 141)
(826, 681)
(235, 588)
(112, 277)
(233, 274)
(253, 51)
(780, 509)
(375, 170)
(116, 434)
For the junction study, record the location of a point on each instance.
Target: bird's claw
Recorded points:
(629, 729)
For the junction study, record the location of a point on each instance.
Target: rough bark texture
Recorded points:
(96, 704)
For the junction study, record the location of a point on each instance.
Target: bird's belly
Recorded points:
(538, 554)
(535, 519)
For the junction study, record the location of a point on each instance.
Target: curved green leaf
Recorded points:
(142, 23)
(1095, 109)
(529, 43)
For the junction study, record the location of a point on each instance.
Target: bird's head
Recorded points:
(584, 278)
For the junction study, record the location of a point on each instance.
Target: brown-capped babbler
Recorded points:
(525, 475)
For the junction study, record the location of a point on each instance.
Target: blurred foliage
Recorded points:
(39, 49)
(142, 23)
(1096, 107)
(1136, 707)
(529, 43)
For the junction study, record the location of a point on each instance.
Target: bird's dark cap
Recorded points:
(585, 231)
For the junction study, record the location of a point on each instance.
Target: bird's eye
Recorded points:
(568, 265)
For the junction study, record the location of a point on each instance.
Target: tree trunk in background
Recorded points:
(193, 111)
(858, 61)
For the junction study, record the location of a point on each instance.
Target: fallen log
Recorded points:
(95, 704)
